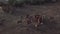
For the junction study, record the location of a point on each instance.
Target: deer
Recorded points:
(37, 20)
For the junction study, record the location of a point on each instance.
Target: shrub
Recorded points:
(32, 2)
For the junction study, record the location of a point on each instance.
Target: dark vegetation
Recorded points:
(21, 4)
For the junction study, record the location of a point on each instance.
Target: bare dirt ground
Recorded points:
(10, 25)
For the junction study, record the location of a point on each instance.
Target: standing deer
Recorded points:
(37, 20)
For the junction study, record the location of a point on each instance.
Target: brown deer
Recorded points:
(37, 19)
(26, 20)
(5, 8)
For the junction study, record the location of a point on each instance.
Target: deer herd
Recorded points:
(35, 20)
